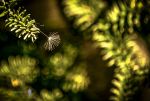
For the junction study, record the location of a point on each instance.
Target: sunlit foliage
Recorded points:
(22, 25)
(117, 32)
(20, 22)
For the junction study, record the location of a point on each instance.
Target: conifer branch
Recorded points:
(117, 36)
(22, 25)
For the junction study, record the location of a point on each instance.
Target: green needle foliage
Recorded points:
(22, 25)
(19, 21)
(5, 5)
(117, 32)
(19, 70)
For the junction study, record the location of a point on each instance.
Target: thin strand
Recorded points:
(44, 34)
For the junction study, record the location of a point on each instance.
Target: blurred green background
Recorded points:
(50, 18)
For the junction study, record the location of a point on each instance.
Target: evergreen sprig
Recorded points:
(20, 22)
(122, 47)
(22, 25)
(4, 5)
